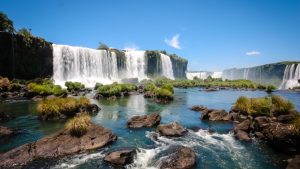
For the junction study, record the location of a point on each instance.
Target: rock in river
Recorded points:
(121, 157)
(144, 121)
(172, 130)
(57, 145)
(182, 158)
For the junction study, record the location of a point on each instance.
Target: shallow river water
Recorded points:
(217, 150)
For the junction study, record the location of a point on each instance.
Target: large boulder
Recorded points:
(144, 121)
(242, 135)
(173, 129)
(294, 163)
(282, 137)
(182, 158)
(120, 157)
(286, 118)
(213, 114)
(232, 116)
(261, 122)
(245, 125)
(57, 145)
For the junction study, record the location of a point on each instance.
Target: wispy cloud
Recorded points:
(131, 46)
(253, 53)
(174, 41)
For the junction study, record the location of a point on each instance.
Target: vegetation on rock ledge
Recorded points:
(78, 125)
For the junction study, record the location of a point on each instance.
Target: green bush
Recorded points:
(98, 85)
(267, 106)
(74, 86)
(281, 105)
(168, 87)
(150, 87)
(46, 89)
(115, 89)
(51, 108)
(164, 94)
(78, 125)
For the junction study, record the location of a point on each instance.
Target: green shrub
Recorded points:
(4, 84)
(74, 86)
(270, 88)
(281, 105)
(51, 108)
(150, 87)
(115, 89)
(254, 106)
(168, 87)
(46, 89)
(164, 94)
(98, 85)
(78, 125)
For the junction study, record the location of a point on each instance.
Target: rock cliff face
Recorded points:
(25, 58)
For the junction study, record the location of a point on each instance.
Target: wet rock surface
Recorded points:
(213, 114)
(173, 129)
(57, 145)
(120, 157)
(181, 158)
(294, 163)
(144, 121)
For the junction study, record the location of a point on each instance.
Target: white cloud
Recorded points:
(253, 53)
(131, 46)
(174, 41)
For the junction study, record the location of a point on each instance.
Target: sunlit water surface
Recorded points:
(217, 150)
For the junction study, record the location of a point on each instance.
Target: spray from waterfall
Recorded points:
(291, 76)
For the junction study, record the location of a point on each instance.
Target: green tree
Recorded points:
(6, 24)
(102, 46)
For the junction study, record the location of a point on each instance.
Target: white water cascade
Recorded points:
(291, 76)
(135, 65)
(167, 69)
(246, 73)
(84, 65)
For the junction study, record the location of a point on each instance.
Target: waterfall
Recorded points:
(217, 74)
(167, 69)
(291, 76)
(135, 65)
(246, 73)
(84, 65)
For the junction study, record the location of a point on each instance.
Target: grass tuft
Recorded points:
(78, 125)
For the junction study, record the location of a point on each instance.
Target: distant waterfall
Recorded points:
(83, 65)
(203, 75)
(246, 73)
(135, 64)
(167, 69)
(291, 76)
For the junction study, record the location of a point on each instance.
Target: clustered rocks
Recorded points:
(275, 130)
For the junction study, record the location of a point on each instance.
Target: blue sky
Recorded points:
(211, 34)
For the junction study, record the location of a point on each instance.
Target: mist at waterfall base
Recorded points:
(90, 66)
(213, 150)
(291, 76)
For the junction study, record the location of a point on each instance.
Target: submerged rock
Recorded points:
(4, 116)
(57, 145)
(144, 121)
(172, 130)
(5, 132)
(182, 158)
(120, 157)
(198, 108)
(294, 163)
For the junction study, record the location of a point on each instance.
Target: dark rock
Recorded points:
(242, 135)
(182, 158)
(198, 108)
(5, 132)
(261, 122)
(92, 109)
(294, 163)
(144, 121)
(213, 114)
(282, 137)
(121, 157)
(245, 125)
(286, 118)
(4, 116)
(231, 117)
(57, 145)
(259, 135)
(172, 130)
